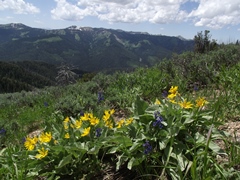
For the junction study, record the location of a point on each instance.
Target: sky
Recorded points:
(159, 17)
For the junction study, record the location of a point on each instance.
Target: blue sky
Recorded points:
(166, 17)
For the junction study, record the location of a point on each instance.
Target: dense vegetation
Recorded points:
(161, 122)
(26, 75)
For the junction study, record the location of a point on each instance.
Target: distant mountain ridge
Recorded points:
(89, 49)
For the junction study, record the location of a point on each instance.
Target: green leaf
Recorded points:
(135, 146)
(66, 160)
(57, 149)
(152, 109)
(123, 140)
(113, 150)
(94, 150)
(188, 120)
(214, 147)
(121, 160)
(140, 106)
(162, 145)
(130, 163)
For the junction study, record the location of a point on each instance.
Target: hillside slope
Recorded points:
(89, 49)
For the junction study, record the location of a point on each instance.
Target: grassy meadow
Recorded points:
(162, 122)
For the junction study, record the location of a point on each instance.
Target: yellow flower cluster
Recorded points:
(30, 143)
(77, 124)
(173, 93)
(106, 118)
(123, 122)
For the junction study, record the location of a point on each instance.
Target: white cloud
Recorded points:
(216, 13)
(134, 11)
(210, 13)
(18, 6)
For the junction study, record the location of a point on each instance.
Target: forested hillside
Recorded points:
(26, 75)
(89, 49)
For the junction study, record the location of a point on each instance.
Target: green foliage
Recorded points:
(26, 75)
(203, 42)
(150, 134)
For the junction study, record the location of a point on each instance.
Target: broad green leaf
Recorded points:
(121, 160)
(174, 175)
(188, 120)
(182, 161)
(152, 109)
(140, 106)
(66, 160)
(135, 146)
(123, 140)
(130, 163)
(214, 147)
(94, 150)
(57, 149)
(113, 150)
(162, 145)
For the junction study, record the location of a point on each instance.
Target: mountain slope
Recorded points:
(89, 49)
(26, 75)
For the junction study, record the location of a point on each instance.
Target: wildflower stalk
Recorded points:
(168, 156)
(206, 151)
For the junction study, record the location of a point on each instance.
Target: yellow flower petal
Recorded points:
(86, 131)
(200, 102)
(157, 102)
(67, 136)
(186, 104)
(42, 153)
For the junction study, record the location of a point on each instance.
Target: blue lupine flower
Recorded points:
(148, 147)
(100, 96)
(98, 132)
(45, 104)
(195, 88)
(81, 113)
(159, 120)
(165, 94)
(3, 131)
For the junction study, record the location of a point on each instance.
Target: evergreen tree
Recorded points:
(203, 42)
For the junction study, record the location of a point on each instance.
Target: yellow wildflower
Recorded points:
(78, 124)
(86, 131)
(67, 136)
(157, 102)
(65, 125)
(42, 153)
(66, 120)
(112, 111)
(106, 115)
(171, 96)
(173, 101)
(30, 143)
(45, 138)
(186, 104)
(72, 126)
(85, 117)
(200, 102)
(94, 121)
(109, 124)
(128, 121)
(120, 123)
(55, 142)
(173, 90)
